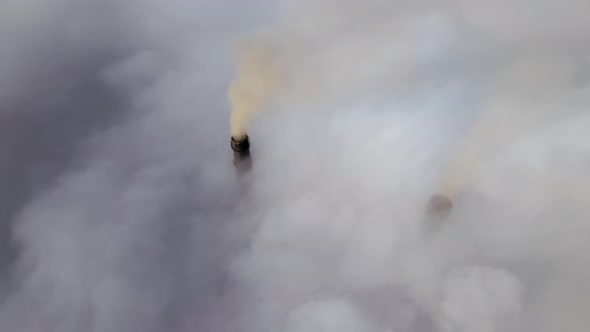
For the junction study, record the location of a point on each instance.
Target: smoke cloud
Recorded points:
(121, 210)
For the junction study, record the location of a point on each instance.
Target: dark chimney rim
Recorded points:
(240, 146)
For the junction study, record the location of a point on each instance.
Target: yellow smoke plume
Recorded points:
(313, 57)
(520, 107)
(259, 78)
(465, 164)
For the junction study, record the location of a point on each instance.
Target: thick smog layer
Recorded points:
(294, 166)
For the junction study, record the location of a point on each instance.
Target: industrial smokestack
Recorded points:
(241, 148)
(439, 208)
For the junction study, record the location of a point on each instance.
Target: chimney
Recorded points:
(241, 148)
(439, 208)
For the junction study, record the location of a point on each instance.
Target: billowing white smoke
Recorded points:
(331, 315)
(141, 227)
(480, 299)
(464, 98)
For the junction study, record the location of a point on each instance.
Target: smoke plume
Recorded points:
(259, 79)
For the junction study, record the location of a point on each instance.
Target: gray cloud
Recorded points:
(121, 210)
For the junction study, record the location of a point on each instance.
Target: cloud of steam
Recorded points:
(476, 299)
(122, 209)
(333, 315)
(113, 199)
(464, 98)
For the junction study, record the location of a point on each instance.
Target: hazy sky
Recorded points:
(121, 211)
